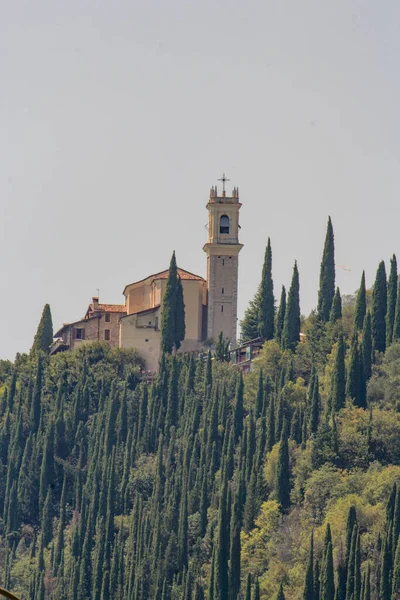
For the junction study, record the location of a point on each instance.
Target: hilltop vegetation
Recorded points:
(205, 484)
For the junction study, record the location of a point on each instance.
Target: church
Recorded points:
(210, 304)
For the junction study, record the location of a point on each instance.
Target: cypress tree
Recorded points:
(315, 404)
(249, 324)
(396, 574)
(238, 410)
(280, 316)
(327, 275)
(396, 324)
(168, 318)
(386, 568)
(221, 582)
(336, 310)
(280, 595)
(271, 425)
(353, 384)
(291, 326)
(361, 305)
(367, 587)
(282, 486)
(338, 380)
(350, 523)
(260, 396)
(248, 588)
(221, 353)
(357, 569)
(44, 334)
(327, 579)
(379, 308)
(308, 592)
(266, 314)
(257, 590)
(351, 564)
(340, 593)
(391, 300)
(180, 327)
(234, 563)
(36, 400)
(367, 346)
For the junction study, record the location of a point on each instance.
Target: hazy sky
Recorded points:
(116, 118)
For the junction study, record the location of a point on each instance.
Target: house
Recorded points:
(101, 323)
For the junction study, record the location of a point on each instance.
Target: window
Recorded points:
(222, 291)
(224, 224)
(223, 262)
(107, 336)
(222, 308)
(108, 317)
(146, 340)
(149, 322)
(79, 334)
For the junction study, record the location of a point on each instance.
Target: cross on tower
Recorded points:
(224, 180)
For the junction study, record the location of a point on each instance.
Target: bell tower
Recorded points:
(222, 249)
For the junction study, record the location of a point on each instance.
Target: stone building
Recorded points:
(140, 327)
(210, 304)
(101, 323)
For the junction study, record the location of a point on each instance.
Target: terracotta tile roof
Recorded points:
(184, 275)
(112, 308)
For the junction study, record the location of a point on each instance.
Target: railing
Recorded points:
(8, 594)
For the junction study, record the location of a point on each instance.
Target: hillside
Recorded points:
(207, 484)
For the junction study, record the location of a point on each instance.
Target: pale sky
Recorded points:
(116, 118)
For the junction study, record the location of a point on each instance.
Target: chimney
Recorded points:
(95, 302)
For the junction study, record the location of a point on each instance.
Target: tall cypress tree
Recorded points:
(315, 404)
(327, 578)
(379, 309)
(173, 312)
(336, 310)
(361, 304)
(396, 324)
(282, 486)
(238, 413)
(221, 582)
(391, 300)
(180, 327)
(367, 346)
(353, 384)
(327, 275)
(280, 316)
(291, 326)
(280, 595)
(266, 313)
(338, 379)
(308, 592)
(44, 333)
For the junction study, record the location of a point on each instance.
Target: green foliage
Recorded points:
(249, 323)
(391, 300)
(44, 334)
(379, 308)
(361, 305)
(222, 349)
(327, 275)
(291, 325)
(173, 311)
(266, 313)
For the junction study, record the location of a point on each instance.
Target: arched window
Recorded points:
(224, 224)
